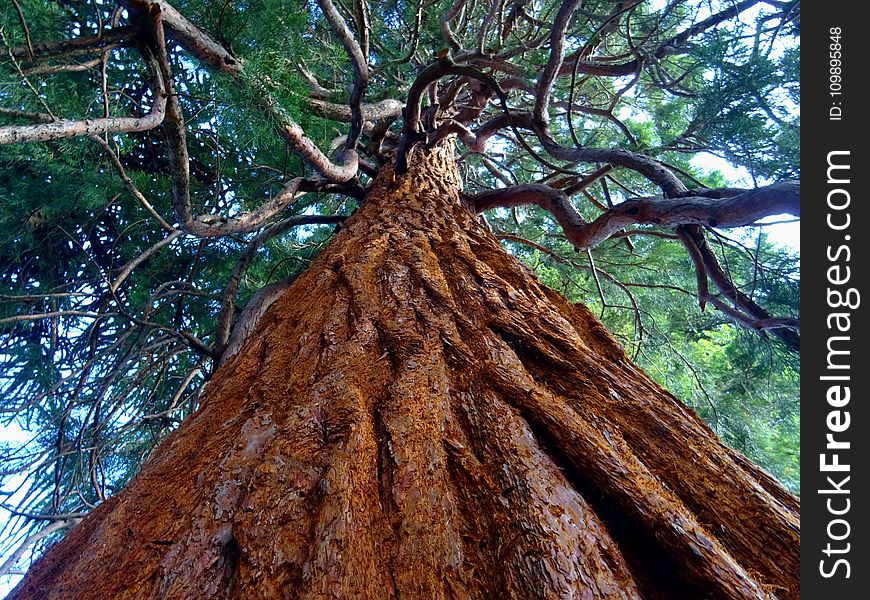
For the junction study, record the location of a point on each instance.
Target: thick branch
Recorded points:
(411, 129)
(504, 120)
(740, 209)
(294, 135)
(551, 69)
(77, 46)
(684, 214)
(555, 202)
(650, 168)
(316, 90)
(64, 128)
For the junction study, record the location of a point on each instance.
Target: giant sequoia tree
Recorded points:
(400, 409)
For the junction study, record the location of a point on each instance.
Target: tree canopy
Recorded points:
(162, 165)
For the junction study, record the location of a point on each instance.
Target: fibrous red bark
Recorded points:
(418, 417)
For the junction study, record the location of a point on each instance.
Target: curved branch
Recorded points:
(697, 259)
(316, 90)
(554, 63)
(293, 133)
(213, 225)
(374, 111)
(411, 133)
(554, 201)
(653, 169)
(649, 167)
(203, 46)
(192, 38)
(446, 32)
(737, 210)
(745, 310)
(410, 128)
(413, 44)
(65, 128)
(667, 47)
(504, 120)
(359, 62)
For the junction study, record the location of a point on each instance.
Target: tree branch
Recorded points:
(110, 38)
(64, 128)
(665, 48)
(128, 268)
(192, 38)
(554, 63)
(56, 313)
(33, 539)
(650, 168)
(746, 310)
(740, 210)
(201, 45)
(357, 59)
(213, 225)
(555, 202)
(128, 183)
(448, 16)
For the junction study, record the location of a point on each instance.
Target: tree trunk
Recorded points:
(418, 417)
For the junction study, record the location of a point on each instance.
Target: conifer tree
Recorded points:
(264, 317)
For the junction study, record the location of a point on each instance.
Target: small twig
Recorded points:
(25, 27)
(597, 282)
(26, 82)
(128, 268)
(57, 313)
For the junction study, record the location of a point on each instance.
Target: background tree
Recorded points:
(166, 171)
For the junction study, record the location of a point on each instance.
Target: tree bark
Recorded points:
(416, 416)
